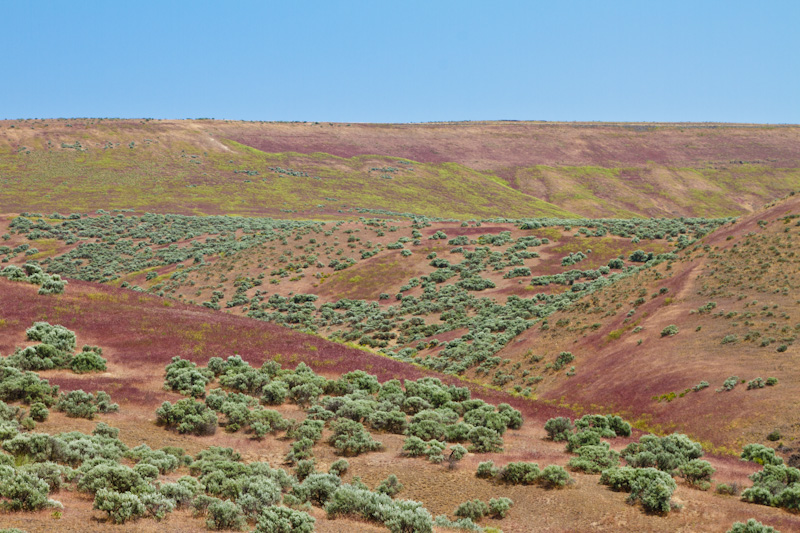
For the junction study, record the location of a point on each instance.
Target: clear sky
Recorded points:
(403, 61)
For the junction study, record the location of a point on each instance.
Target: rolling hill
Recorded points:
(302, 293)
(460, 170)
(141, 333)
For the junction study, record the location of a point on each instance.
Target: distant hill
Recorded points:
(460, 170)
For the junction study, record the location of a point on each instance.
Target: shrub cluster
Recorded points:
(751, 526)
(80, 404)
(397, 515)
(187, 416)
(55, 350)
(523, 473)
(32, 273)
(652, 487)
(776, 485)
(664, 453)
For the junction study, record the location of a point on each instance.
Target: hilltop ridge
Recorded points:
(324, 170)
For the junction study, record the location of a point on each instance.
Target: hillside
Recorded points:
(732, 297)
(139, 334)
(460, 170)
(516, 326)
(494, 301)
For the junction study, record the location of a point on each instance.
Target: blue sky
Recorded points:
(408, 61)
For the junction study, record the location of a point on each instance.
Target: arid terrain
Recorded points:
(507, 275)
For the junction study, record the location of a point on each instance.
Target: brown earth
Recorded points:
(750, 273)
(139, 334)
(520, 168)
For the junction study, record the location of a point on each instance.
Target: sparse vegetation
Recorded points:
(483, 321)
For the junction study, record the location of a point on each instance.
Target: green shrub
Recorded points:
(163, 461)
(728, 490)
(274, 393)
(426, 429)
(224, 514)
(653, 488)
(88, 360)
(187, 416)
(350, 438)
(564, 358)
(39, 412)
(156, 504)
(398, 516)
(178, 493)
(789, 498)
(8, 430)
(112, 476)
(587, 437)
(498, 507)
(485, 440)
(464, 524)
(184, 376)
(519, 472)
(26, 387)
(487, 470)
(22, 491)
(667, 453)
(654, 492)
(339, 467)
(619, 426)
(103, 403)
(696, 472)
(435, 451)
(618, 478)
(640, 256)
(200, 504)
(390, 421)
(304, 393)
(77, 404)
(317, 488)
(553, 476)
(104, 430)
(257, 492)
(120, 506)
(390, 486)
(300, 450)
(39, 357)
(305, 468)
(558, 429)
(458, 432)
(284, 520)
(751, 526)
(485, 416)
(593, 459)
(474, 510)
(56, 336)
(775, 485)
(763, 455)
(669, 331)
(457, 452)
(49, 472)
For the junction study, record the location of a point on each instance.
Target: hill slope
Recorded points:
(140, 333)
(733, 299)
(462, 170)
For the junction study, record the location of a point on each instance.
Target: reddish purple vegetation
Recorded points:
(514, 144)
(143, 332)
